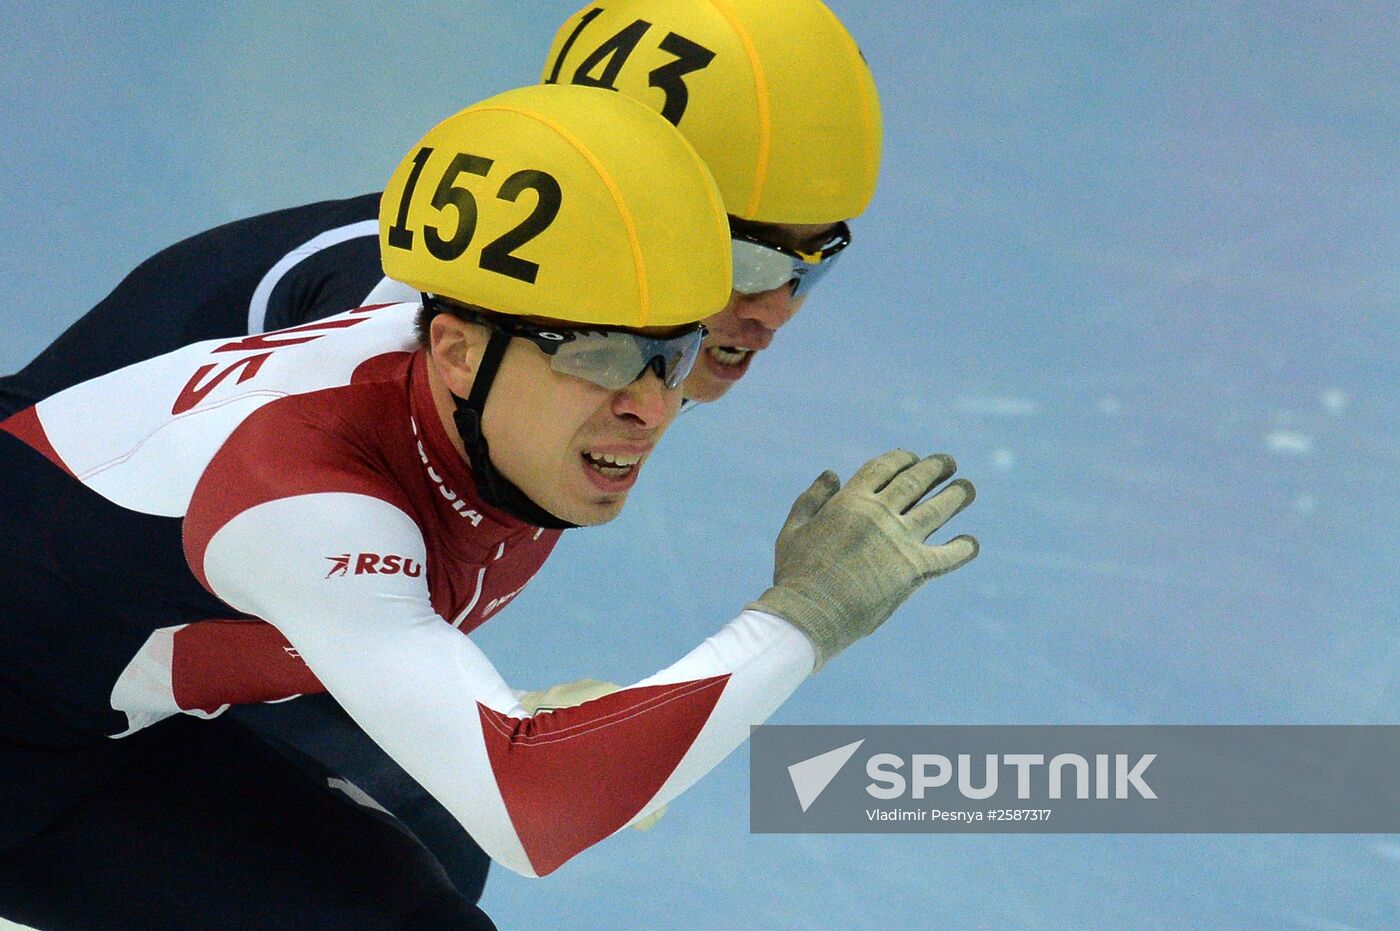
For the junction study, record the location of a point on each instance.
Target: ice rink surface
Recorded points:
(1135, 265)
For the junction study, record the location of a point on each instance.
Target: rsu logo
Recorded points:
(373, 564)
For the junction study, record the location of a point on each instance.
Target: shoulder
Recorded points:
(337, 438)
(353, 439)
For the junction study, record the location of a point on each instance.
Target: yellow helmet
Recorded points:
(564, 202)
(773, 94)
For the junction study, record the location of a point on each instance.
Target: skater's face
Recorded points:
(573, 447)
(749, 321)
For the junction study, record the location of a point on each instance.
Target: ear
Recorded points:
(456, 347)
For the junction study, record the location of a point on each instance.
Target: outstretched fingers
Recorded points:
(959, 551)
(877, 473)
(927, 516)
(906, 488)
(810, 501)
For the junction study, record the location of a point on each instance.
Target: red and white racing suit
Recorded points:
(252, 519)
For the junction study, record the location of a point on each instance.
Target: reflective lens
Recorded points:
(611, 359)
(616, 358)
(760, 266)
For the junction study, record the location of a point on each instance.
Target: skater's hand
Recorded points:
(566, 695)
(848, 557)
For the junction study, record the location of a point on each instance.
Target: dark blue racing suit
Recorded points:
(264, 273)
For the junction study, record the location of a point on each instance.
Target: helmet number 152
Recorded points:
(499, 255)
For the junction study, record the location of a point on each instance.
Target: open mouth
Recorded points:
(728, 363)
(732, 356)
(610, 466)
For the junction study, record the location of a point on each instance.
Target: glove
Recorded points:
(567, 695)
(570, 694)
(847, 557)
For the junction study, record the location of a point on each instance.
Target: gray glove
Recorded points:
(566, 695)
(847, 557)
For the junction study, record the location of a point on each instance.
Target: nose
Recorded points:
(647, 402)
(768, 309)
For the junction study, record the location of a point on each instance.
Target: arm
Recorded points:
(536, 791)
(261, 273)
(532, 791)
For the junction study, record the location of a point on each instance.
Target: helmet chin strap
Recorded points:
(495, 489)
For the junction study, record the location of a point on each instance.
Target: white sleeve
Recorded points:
(532, 791)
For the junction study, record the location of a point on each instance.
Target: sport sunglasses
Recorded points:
(609, 358)
(762, 266)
